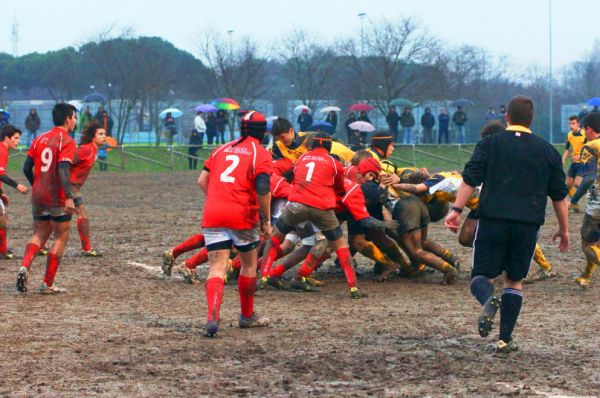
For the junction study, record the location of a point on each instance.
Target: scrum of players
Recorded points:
(273, 217)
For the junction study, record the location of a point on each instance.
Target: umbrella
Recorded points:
(7, 113)
(401, 102)
(360, 107)
(462, 102)
(594, 101)
(321, 126)
(301, 108)
(77, 104)
(206, 108)
(328, 109)
(361, 126)
(174, 112)
(226, 104)
(94, 97)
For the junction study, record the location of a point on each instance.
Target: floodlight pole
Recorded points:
(362, 16)
(550, 83)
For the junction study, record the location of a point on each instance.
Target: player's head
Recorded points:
(321, 140)
(383, 144)
(93, 132)
(574, 123)
(253, 124)
(369, 169)
(491, 128)
(520, 111)
(591, 124)
(413, 177)
(10, 135)
(283, 131)
(64, 115)
(360, 155)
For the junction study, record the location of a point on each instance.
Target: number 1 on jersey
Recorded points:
(311, 169)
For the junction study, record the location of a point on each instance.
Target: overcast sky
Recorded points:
(514, 28)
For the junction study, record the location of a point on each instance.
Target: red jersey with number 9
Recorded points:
(317, 176)
(231, 199)
(47, 151)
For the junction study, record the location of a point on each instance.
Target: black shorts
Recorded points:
(590, 229)
(437, 209)
(575, 169)
(503, 246)
(354, 227)
(411, 214)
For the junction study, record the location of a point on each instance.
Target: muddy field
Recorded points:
(123, 330)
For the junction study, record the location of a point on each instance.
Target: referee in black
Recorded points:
(518, 170)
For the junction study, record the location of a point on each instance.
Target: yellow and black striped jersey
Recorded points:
(575, 142)
(300, 146)
(444, 185)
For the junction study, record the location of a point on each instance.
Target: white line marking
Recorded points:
(152, 269)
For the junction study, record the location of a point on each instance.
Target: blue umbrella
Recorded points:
(594, 101)
(206, 108)
(321, 126)
(94, 97)
(6, 113)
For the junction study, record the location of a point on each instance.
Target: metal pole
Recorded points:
(362, 33)
(550, 85)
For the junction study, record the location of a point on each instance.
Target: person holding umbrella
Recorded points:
(363, 117)
(221, 121)
(211, 128)
(392, 120)
(170, 127)
(350, 136)
(407, 121)
(332, 119)
(305, 120)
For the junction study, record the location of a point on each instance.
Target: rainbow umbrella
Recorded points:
(226, 104)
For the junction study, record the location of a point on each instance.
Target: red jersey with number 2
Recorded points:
(85, 157)
(317, 176)
(47, 151)
(231, 199)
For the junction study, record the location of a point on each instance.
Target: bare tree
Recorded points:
(582, 78)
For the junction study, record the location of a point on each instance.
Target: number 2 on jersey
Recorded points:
(46, 159)
(226, 175)
(311, 170)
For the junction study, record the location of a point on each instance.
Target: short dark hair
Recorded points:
(360, 155)
(520, 110)
(280, 125)
(321, 140)
(574, 117)
(491, 128)
(592, 121)
(8, 131)
(61, 112)
(89, 132)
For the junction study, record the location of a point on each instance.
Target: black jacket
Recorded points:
(407, 119)
(427, 120)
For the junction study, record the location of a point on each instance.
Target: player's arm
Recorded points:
(28, 169)
(263, 191)
(64, 175)
(10, 182)
(412, 188)
(557, 191)
(566, 152)
(203, 180)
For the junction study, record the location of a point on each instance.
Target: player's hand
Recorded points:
(389, 179)
(69, 206)
(565, 241)
(391, 226)
(452, 221)
(266, 228)
(22, 188)
(4, 199)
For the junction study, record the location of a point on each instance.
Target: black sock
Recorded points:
(481, 288)
(509, 312)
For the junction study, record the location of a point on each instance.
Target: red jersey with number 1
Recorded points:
(3, 160)
(317, 176)
(231, 199)
(85, 157)
(47, 151)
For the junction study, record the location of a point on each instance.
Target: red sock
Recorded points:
(236, 263)
(192, 243)
(246, 288)
(31, 250)
(310, 264)
(197, 259)
(214, 297)
(51, 268)
(277, 271)
(3, 248)
(343, 256)
(83, 227)
(267, 262)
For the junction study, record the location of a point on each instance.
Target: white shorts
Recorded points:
(237, 237)
(307, 241)
(2, 208)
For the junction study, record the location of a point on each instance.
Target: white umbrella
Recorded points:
(301, 108)
(77, 104)
(271, 118)
(362, 126)
(328, 109)
(173, 111)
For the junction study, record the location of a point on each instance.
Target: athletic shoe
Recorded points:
(575, 208)
(583, 282)
(355, 293)
(45, 289)
(8, 255)
(314, 282)
(543, 274)
(302, 285)
(255, 321)
(232, 273)
(43, 252)
(450, 277)
(506, 348)
(188, 275)
(22, 279)
(90, 253)
(167, 262)
(211, 328)
(277, 283)
(488, 313)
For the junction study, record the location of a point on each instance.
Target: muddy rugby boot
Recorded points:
(43, 252)
(167, 262)
(7, 255)
(314, 282)
(277, 283)
(301, 284)
(22, 279)
(45, 289)
(506, 348)
(540, 276)
(210, 329)
(90, 253)
(356, 293)
(582, 282)
(488, 313)
(450, 276)
(255, 321)
(188, 275)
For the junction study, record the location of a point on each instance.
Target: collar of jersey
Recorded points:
(519, 128)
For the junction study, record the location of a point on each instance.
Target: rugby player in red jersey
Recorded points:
(236, 182)
(48, 169)
(93, 137)
(9, 139)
